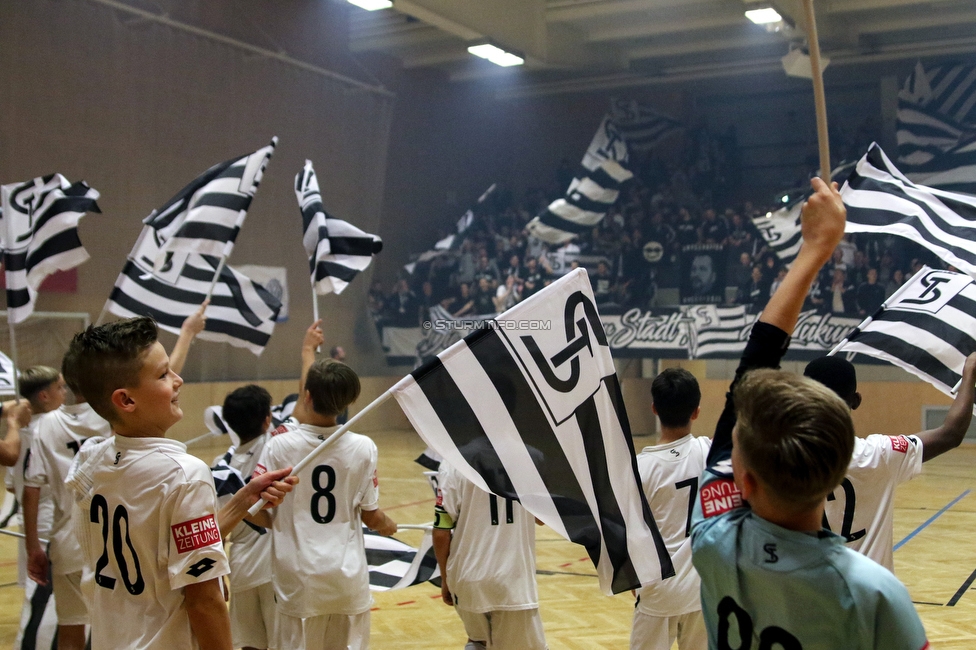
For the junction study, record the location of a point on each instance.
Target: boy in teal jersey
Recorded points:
(771, 576)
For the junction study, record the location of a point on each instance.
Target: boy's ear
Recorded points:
(694, 416)
(122, 401)
(653, 408)
(855, 401)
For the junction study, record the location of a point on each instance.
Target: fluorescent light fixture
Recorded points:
(496, 55)
(763, 16)
(371, 5)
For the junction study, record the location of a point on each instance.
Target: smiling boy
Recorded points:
(150, 532)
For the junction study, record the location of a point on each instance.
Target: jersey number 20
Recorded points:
(99, 514)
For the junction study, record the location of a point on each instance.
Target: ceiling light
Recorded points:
(372, 5)
(764, 16)
(496, 55)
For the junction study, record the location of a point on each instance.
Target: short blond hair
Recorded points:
(795, 434)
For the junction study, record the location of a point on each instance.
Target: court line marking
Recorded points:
(962, 590)
(930, 520)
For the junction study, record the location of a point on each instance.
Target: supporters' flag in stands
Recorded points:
(206, 215)
(607, 144)
(337, 250)
(879, 198)
(395, 565)
(781, 228)
(948, 89)
(465, 222)
(927, 327)
(241, 312)
(586, 203)
(530, 408)
(937, 127)
(39, 235)
(7, 372)
(717, 330)
(641, 126)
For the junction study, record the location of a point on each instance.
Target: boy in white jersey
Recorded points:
(769, 572)
(485, 547)
(247, 410)
(150, 531)
(861, 509)
(321, 579)
(44, 388)
(58, 437)
(669, 471)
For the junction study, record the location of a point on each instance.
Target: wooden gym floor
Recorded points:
(936, 559)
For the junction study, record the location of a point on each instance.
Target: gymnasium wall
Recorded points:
(138, 109)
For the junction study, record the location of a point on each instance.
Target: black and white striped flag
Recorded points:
(7, 372)
(395, 565)
(530, 408)
(936, 127)
(641, 126)
(467, 220)
(337, 250)
(213, 418)
(880, 199)
(717, 330)
(206, 215)
(241, 312)
(927, 327)
(781, 228)
(592, 192)
(39, 235)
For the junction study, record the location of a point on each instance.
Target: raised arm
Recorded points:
(942, 439)
(192, 326)
(313, 340)
(822, 224)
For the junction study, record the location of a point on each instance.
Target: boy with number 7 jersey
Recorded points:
(321, 579)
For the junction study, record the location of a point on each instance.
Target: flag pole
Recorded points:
(325, 443)
(315, 313)
(819, 97)
(415, 526)
(102, 314)
(220, 269)
(208, 434)
(11, 533)
(13, 355)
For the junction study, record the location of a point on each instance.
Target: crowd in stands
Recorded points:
(497, 264)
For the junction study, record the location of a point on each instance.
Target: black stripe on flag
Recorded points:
(173, 208)
(361, 246)
(63, 242)
(910, 354)
(232, 202)
(934, 325)
(553, 220)
(207, 230)
(332, 270)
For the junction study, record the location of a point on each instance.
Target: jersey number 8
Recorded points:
(99, 513)
(323, 492)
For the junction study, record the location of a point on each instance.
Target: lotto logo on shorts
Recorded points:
(719, 497)
(899, 443)
(259, 469)
(198, 533)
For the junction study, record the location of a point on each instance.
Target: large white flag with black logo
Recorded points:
(592, 192)
(337, 250)
(642, 126)
(206, 215)
(39, 235)
(927, 327)
(530, 408)
(241, 312)
(879, 198)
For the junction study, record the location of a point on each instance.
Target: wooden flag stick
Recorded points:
(819, 98)
(315, 313)
(13, 355)
(325, 443)
(220, 269)
(11, 533)
(415, 526)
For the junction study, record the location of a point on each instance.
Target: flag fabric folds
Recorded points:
(641, 126)
(936, 128)
(591, 193)
(7, 372)
(395, 565)
(39, 235)
(465, 222)
(241, 312)
(927, 327)
(337, 250)
(206, 215)
(781, 228)
(529, 408)
(879, 198)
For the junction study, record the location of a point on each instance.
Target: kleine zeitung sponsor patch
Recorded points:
(196, 533)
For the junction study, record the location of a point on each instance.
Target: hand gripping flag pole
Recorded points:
(325, 443)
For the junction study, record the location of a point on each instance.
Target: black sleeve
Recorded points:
(766, 347)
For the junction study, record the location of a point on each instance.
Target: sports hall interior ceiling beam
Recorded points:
(570, 10)
(696, 47)
(643, 29)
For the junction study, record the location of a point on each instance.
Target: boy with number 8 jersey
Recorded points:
(320, 575)
(149, 528)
